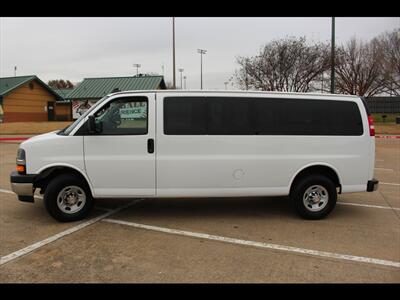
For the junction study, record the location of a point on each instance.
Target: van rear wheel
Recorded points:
(314, 197)
(67, 198)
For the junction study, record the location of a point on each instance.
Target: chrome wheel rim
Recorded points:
(315, 198)
(71, 199)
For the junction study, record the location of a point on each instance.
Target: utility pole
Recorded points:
(184, 80)
(181, 70)
(201, 51)
(173, 53)
(137, 66)
(333, 57)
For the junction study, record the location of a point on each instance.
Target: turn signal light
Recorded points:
(21, 169)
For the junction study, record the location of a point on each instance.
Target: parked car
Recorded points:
(163, 144)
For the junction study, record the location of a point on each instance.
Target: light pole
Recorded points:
(333, 57)
(137, 66)
(173, 53)
(201, 51)
(246, 79)
(322, 83)
(184, 80)
(181, 70)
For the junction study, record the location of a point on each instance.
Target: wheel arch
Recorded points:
(46, 173)
(317, 168)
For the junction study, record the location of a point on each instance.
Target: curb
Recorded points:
(388, 136)
(14, 139)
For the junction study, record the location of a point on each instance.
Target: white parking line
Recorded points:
(368, 205)
(35, 246)
(11, 192)
(6, 191)
(260, 244)
(384, 169)
(389, 183)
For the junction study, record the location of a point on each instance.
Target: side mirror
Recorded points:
(91, 124)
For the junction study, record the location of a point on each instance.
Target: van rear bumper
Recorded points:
(372, 185)
(22, 185)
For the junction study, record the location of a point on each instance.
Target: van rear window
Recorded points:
(260, 116)
(307, 117)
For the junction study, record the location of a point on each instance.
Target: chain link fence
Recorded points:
(388, 105)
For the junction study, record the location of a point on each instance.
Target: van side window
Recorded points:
(260, 116)
(229, 116)
(185, 115)
(124, 116)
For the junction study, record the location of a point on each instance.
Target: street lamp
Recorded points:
(137, 66)
(201, 51)
(181, 70)
(173, 53)
(230, 80)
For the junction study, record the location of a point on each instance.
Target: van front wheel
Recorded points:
(314, 197)
(67, 198)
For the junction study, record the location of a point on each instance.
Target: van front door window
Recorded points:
(123, 116)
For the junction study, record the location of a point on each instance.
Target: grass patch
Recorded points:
(390, 118)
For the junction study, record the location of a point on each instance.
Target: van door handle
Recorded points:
(150, 145)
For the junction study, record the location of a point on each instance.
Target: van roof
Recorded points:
(236, 92)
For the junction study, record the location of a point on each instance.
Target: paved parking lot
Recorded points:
(206, 240)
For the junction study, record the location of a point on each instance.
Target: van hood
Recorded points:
(40, 137)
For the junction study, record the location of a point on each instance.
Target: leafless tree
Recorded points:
(284, 65)
(358, 68)
(60, 84)
(389, 44)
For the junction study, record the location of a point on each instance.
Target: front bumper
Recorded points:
(372, 185)
(22, 185)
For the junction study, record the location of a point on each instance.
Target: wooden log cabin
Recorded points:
(27, 99)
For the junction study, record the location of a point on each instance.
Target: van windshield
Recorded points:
(67, 130)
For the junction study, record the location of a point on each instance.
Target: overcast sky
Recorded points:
(76, 48)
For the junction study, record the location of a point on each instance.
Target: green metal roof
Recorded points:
(63, 93)
(93, 88)
(8, 84)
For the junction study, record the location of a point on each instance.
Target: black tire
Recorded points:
(301, 187)
(55, 187)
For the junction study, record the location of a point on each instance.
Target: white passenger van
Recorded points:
(170, 143)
